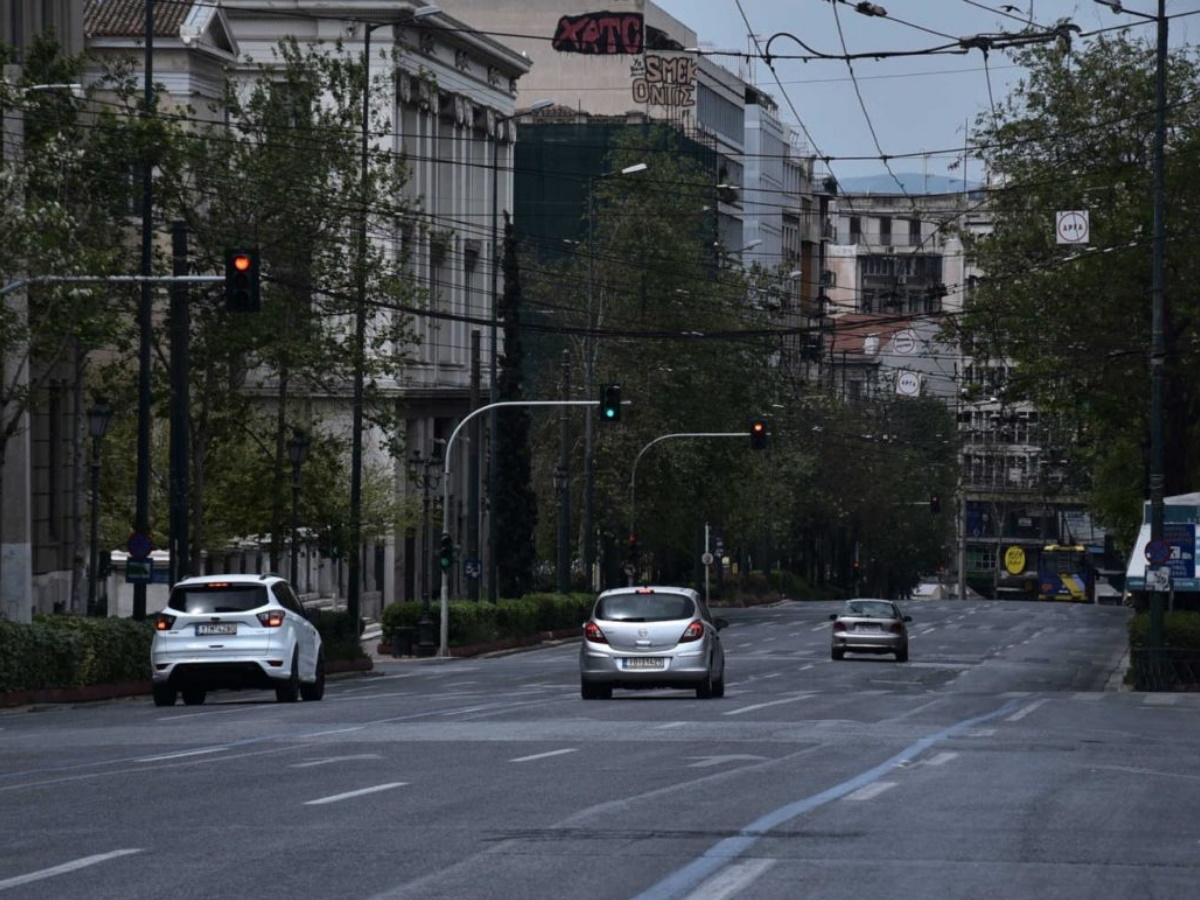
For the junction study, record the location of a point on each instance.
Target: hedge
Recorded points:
(472, 622)
(73, 651)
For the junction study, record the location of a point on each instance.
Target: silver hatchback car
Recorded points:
(651, 637)
(235, 631)
(870, 626)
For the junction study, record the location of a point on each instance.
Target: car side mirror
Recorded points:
(908, 618)
(832, 616)
(720, 623)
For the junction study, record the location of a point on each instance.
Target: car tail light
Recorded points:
(272, 618)
(896, 628)
(839, 625)
(163, 622)
(592, 632)
(693, 632)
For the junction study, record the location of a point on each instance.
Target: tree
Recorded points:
(1077, 133)
(663, 314)
(514, 503)
(278, 178)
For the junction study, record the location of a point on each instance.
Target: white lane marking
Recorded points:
(332, 759)
(982, 732)
(336, 731)
(732, 880)
(673, 724)
(1023, 712)
(542, 755)
(706, 761)
(870, 791)
(1161, 699)
(821, 628)
(927, 631)
(359, 793)
(746, 709)
(941, 759)
(181, 755)
(64, 868)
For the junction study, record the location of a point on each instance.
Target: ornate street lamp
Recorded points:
(99, 415)
(297, 452)
(426, 472)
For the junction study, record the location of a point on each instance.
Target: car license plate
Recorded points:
(219, 628)
(868, 626)
(645, 662)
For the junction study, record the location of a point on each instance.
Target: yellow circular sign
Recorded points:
(1014, 560)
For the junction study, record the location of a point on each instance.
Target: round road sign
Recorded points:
(139, 545)
(1158, 552)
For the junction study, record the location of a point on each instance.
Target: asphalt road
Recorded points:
(999, 762)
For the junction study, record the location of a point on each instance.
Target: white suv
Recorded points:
(235, 631)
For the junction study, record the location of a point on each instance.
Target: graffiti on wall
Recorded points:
(665, 80)
(600, 34)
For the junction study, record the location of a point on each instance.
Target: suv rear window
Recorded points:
(633, 607)
(218, 598)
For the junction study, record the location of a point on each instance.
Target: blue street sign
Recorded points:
(472, 568)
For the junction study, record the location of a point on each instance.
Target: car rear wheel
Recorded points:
(316, 690)
(193, 696)
(164, 695)
(837, 654)
(719, 686)
(705, 689)
(902, 655)
(289, 691)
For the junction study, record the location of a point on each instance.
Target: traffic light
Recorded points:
(935, 503)
(241, 281)
(446, 556)
(610, 403)
(758, 434)
(635, 548)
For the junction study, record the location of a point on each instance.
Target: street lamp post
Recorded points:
(589, 354)
(354, 574)
(1158, 350)
(494, 388)
(297, 453)
(427, 472)
(99, 416)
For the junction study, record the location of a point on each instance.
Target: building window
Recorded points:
(855, 230)
(914, 232)
(885, 230)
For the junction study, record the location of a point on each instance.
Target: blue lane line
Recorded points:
(726, 851)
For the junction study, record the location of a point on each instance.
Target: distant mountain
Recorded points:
(914, 183)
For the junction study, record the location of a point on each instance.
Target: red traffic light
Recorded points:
(242, 262)
(758, 434)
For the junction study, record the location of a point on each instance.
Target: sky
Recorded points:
(919, 106)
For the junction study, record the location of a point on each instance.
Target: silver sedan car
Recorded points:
(870, 626)
(651, 637)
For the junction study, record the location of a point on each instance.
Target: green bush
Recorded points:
(1181, 630)
(73, 651)
(339, 635)
(473, 623)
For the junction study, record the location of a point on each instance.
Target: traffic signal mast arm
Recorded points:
(444, 642)
(657, 440)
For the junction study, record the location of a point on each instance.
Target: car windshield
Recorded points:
(878, 609)
(634, 607)
(223, 598)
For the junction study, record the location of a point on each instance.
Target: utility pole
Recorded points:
(180, 550)
(562, 482)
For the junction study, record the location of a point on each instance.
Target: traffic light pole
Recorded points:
(444, 636)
